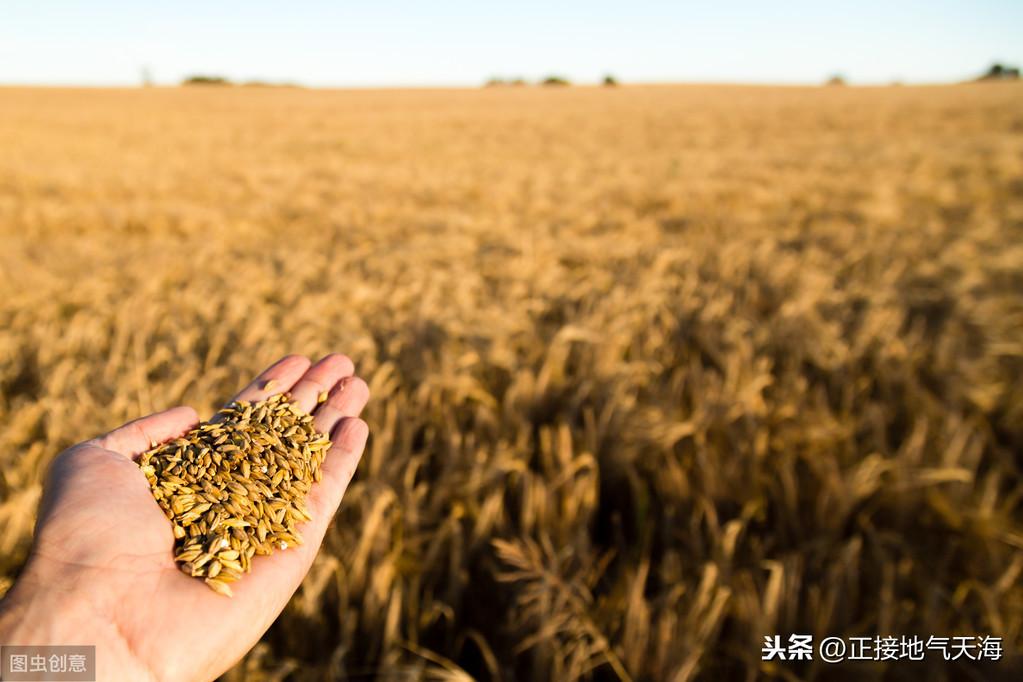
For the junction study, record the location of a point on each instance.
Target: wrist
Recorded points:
(48, 613)
(31, 614)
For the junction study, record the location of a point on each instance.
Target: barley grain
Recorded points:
(234, 487)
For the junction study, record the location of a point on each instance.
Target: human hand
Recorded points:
(101, 570)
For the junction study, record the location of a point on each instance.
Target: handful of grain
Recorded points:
(234, 486)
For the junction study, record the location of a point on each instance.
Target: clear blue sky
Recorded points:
(384, 42)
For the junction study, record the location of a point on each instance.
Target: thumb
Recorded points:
(137, 436)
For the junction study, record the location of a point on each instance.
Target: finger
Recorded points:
(138, 436)
(280, 377)
(347, 443)
(321, 378)
(275, 578)
(347, 399)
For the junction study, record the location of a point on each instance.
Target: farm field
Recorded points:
(655, 371)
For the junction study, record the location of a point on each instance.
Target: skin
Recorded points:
(101, 569)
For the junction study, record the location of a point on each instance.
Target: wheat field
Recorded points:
(656, 370)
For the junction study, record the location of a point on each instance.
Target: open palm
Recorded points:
(101, 535)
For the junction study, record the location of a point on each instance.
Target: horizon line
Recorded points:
(483, 84)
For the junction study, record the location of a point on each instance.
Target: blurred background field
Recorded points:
(656, 371)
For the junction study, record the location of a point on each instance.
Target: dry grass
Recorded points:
(655, 371)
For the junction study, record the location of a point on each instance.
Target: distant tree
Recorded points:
(610, 81)
(269, 84)
(837, 79)
(1001, 72)
(499, 82)
(554, 80)
(205, 80)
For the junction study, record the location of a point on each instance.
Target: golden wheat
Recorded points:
(656, 371)
(235, 486)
